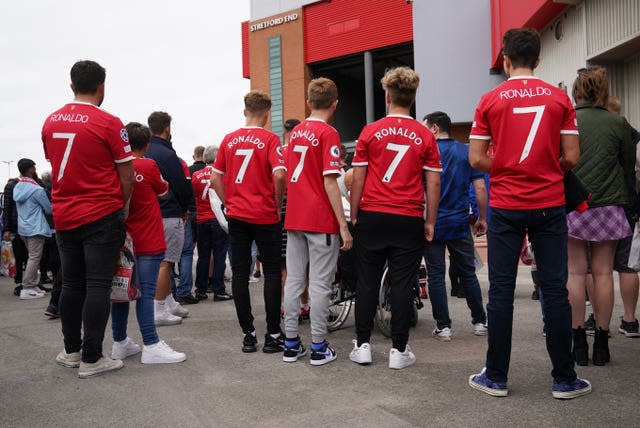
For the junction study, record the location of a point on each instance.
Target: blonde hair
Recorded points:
(257, 102)
(321, 93)
(592, 86)
(402, 84)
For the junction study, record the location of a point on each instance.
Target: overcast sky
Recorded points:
(183, 57)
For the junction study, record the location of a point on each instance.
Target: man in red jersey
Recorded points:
(535, 140)
(388, 210)
(250, 161)
(314, 219)
(92, 178)
(212, 239)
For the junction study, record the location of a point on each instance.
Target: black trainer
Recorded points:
(273, 345)
(201, 296)
(187, 299)
(629, 329)
(257, 274)
(249, 343)
(17, 290)
(222, 297)
(52, 311)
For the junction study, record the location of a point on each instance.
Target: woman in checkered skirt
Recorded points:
(606, 158)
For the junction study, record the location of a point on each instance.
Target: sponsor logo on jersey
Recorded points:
(335, 151)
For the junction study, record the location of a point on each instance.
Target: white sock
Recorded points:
(275, 336)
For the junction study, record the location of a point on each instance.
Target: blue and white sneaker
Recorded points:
(482, 383)
(569, 390)
(293, 349)
(322, 354)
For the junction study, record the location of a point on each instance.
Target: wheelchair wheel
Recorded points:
(382, 319)
(341, 302)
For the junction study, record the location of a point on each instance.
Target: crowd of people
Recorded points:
(406, 196)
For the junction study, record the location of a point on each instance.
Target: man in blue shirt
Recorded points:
(452, 229)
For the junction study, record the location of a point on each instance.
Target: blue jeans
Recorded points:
(147, 268)
(186, 263)
(211, 239)
(462, 256)
(547, 229)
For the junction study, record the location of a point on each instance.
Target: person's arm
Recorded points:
(127, 179)
(43, 201)
(570, 151)
(357, 184)
(433, 200)
(218, 185)
(478, 157)
(333, 192)
(279, 183)
(480, 226)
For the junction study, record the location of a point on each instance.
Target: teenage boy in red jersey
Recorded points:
(535, 140)
(92, 177)
(144, 224)
(388, 209)
(212, 239)
(250, 159)
(314, 218)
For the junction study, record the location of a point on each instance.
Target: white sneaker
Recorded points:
(162, 316)
(28, 293)
(124, 349)
(103, 365)
(176, 308)
(399, 360)
(444, 335)
(161, 353)
(253, 280)
(71, 360)
(480, 329)
(361, 354)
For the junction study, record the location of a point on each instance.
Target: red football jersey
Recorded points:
(312, 153)
(524, 118)
(83, 144)
(185, 168)
(248, 158)
(396, 150)
(144, 223)
(201, 183)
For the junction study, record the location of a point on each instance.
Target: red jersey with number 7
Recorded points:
(201, 183)
(83, 144)
(524, 117)
(248, 158)
(396, 150)
(312, 153)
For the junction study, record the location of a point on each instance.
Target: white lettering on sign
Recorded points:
(273, 22)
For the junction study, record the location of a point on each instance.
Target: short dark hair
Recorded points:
(139, 135)
(289, 124)
(439, 118)
(24, 165)
(86, 76)
(522, 46)
(158, 121)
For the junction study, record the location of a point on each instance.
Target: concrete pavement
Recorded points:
(220, 386)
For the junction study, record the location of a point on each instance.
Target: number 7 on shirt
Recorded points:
(538, 110)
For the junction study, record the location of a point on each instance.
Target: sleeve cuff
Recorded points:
(273, 171)
(568, 132)
(359, 163)
(479, 137)
(331, 171)
(428, 168)
(123, 160)
(217, 170)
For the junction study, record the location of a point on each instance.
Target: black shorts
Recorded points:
(621, 259)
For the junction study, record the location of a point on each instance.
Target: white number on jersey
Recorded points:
(401, 150)
(205, 192)
(67, 151)
(538, 110)
(247, 153)
(303, 153)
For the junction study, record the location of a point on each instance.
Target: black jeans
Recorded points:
(54, 265)
(268, 238)
(398, 241)
(211, 240)
(88, 255)
(547, 229)
(21, 254)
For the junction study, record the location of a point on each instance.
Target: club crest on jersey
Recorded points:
(139, 178)
(335, 151)
(124, 135)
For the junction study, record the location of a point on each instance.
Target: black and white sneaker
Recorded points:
(273, 345)
(293, 349)
(629, 329)
(323, 355)
(249, 343)
(590, 325)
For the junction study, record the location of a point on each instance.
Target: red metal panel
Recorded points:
(507, 14)
(341, 27)
(246, 72)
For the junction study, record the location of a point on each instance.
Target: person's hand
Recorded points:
(428, 231)
(480, 227)
(347, 239)
(354, 220)
(6, 236)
